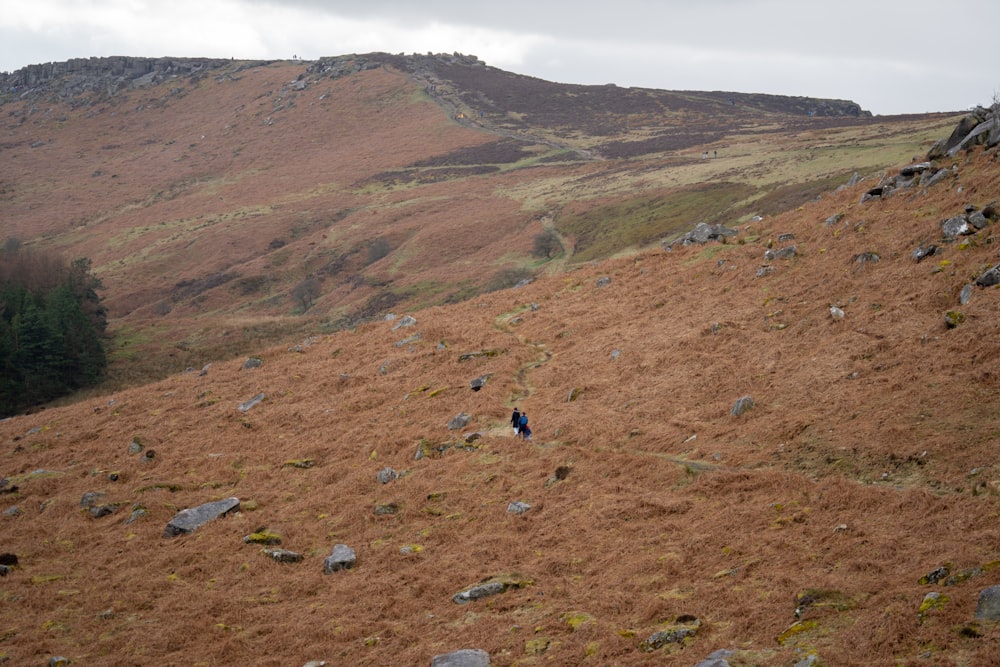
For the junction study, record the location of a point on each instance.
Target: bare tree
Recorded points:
(305, 293)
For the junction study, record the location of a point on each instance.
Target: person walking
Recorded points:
(522, 424)
(515, 420)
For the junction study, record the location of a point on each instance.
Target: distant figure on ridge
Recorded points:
(515, 420)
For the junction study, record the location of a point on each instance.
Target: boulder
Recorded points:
(459, 421)
(967, 124)
(988, 607)
(742, 405)
(407, 321)
(341, 558)
(990, 278)
(252, 362)
(466, 657)
(956, 226)
(283, 555)
(386, 475)
(518, 507)
(186, 521)
(246, 405)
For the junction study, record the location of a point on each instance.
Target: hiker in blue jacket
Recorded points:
(522, 425)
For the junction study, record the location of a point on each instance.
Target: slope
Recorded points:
(225, 204)
(803, 527)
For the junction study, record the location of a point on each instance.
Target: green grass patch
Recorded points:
(603, 231)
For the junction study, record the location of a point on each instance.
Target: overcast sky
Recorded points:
(912, 57)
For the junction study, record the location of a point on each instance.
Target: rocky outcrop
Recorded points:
(103, 76)
(980, 127)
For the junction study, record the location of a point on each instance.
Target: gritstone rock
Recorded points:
(188, 520)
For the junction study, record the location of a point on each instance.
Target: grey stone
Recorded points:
(978, 220)
(764, 271)
(136, 514)
(408, 340)
(603, 281)
(407, 321)
(783, 253)
(135, 447)
(459, 421)
(923, 251)
(742, 405)
(478, 592)
(98, 511)
(386, 475)
(965, 295)
(990, 278)
(283, 555)
(479, 382)
(956, 226)
(717, 658)
(244, 407)
(341, 558)
(186, 521)
(252, 362)
(466, 657)
(988, 607)
(90, 498)
(518, 507)
(833, 219)
(935, 178)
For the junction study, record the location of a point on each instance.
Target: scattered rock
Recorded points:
(459, 421)
(956, 226)
(717, 658)
(836, 313)
(603, 281)
(479, 382)
(407, 341)
(782, 253)
(386, 475)
(965, 295)
(988, 606)
(518, 507)
(283, 555)
(687, 626)
(243, 407)
(186, 521)
(90, 498)
(493, 586)
(407, 321)
(953, 318)
(742, 405)
(922, 252)
(342, 558)
(990, 278)
(252, 362)
(466, 657)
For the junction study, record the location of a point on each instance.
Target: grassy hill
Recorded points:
(814, 524)
(227, 204)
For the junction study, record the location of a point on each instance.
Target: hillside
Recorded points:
(848, 518)
(231, 204)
